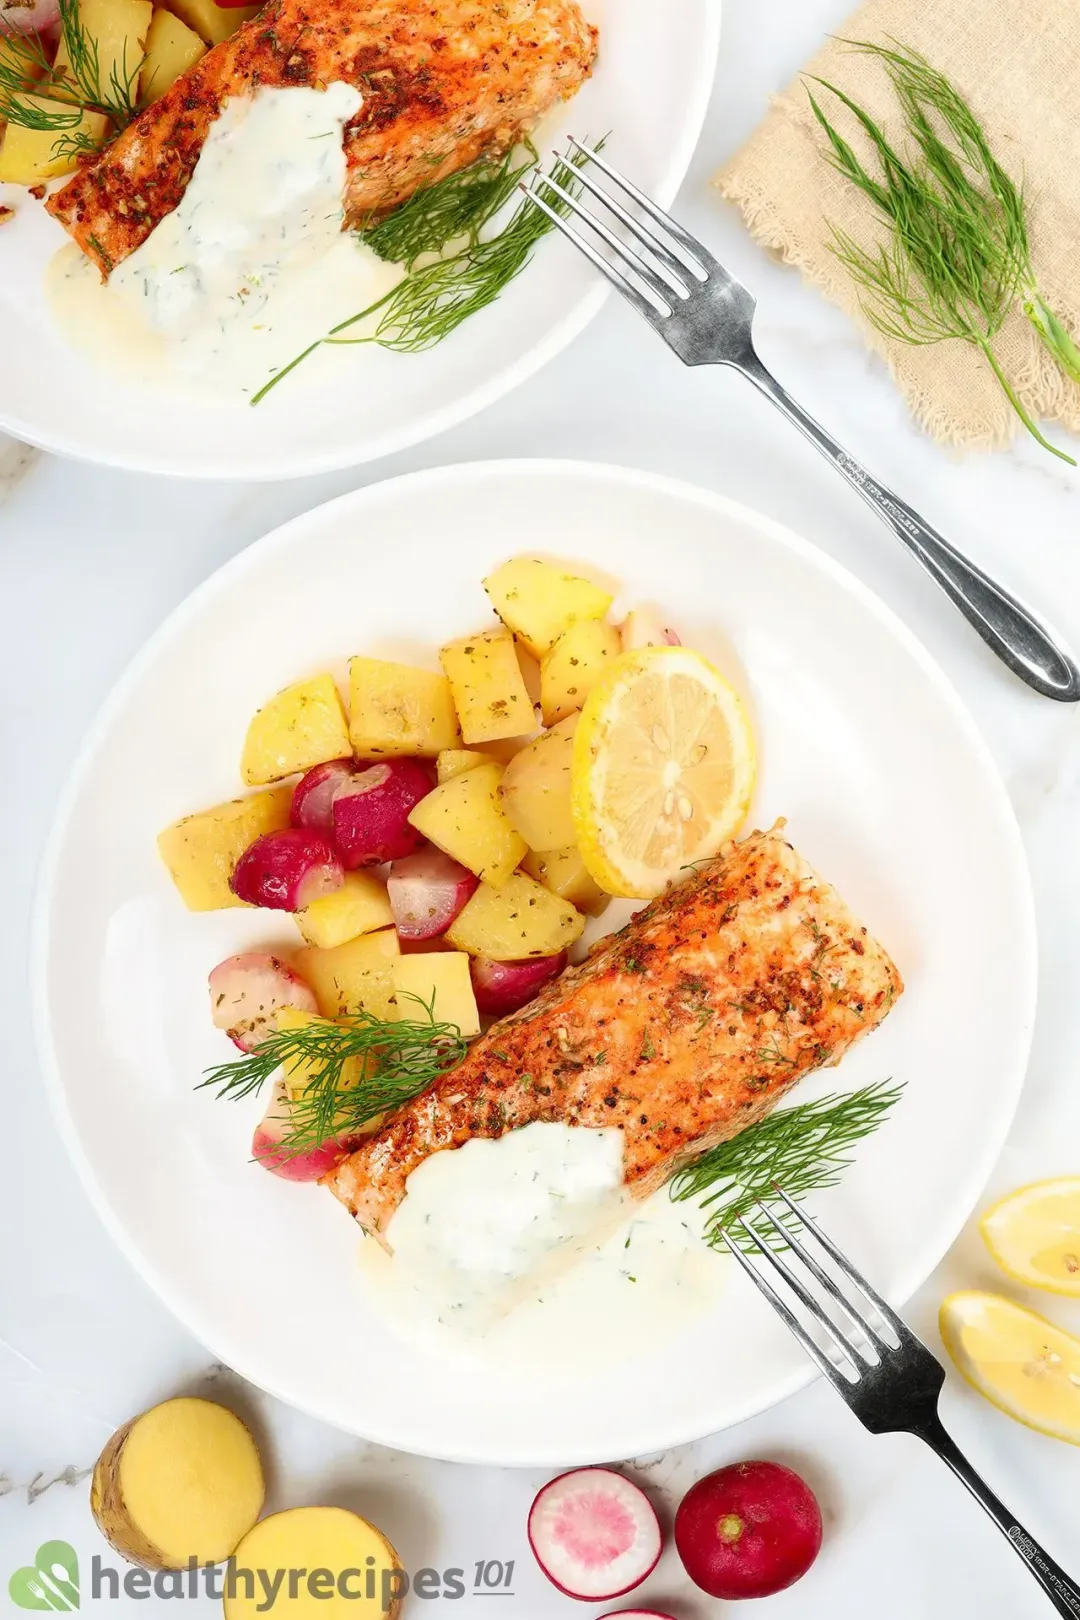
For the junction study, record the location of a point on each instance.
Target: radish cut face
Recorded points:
(247, 991)
(594, 1534)
(313, 796)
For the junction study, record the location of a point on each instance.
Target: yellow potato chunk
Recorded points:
(572, 668)
(535, 789)
(489, 692)
(360, 906)
(452, 761)
(395, 709)
(28, 157)
(119, 29)
(327, 1558)
(521, 919)
(354, 977)
(171, 49)
(299, 1072)
(438, 980)
(540, 601)
(564, 872)
(181, 1483)
(201, 851)
(463, 818)
(302, 726)
(210, 21)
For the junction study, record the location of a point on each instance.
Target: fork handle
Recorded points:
(1062, 1592)
(1011, 630)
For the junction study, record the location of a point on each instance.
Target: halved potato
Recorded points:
(211, 21)
(360, 906)
(489, 692)
(29, 157)
(452, 761)
(202, 850)
(535, 788)
(302, 726)
(518, 920)
(564, 872)
(463, 818)
(355, 977)
(439, 981)
(572, 668)
(540, 601)
(171, 49)
(395, 709)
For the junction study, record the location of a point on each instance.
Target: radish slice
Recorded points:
(247, 990)
(267, 1150)
(594, 1534)
(503, 987)
(17, 17)
(427, 890)
(287, 871)
(643, 627)
(371, 812)
(313, 795)
(636, 1614)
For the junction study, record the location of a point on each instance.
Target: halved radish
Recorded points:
(594, 1534)
(287, 870)
(313, 795)
(266, 1144)
(503, 987)
(427, 890)
(371, 812)
(643, 627)
(247, 990)
(636, 1614)
(28, 16)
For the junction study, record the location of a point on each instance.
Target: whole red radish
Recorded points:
(268, 1150)
(427, 890)
(748, 1530)
(287, 871)
(503, 987)
(594, 1534)
(247, 990)
(313, 795)
(371, 812)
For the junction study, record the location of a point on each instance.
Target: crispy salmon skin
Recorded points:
(444, 82)
(682, 1029)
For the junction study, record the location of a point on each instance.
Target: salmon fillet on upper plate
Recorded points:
(444, 82)
(682, 1029)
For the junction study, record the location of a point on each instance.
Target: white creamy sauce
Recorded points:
(251, 267)
(530, 1247)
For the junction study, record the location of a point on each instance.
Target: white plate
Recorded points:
(650, 90)
(865, 748)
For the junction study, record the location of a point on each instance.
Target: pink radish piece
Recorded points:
(247, 990)
(371, 812)
(748, 1530)
(503, 987)
(37, 17)
(427, 890)
(643, 627)
(287, 871)
(266, 1144)
(313, 795)
(594, 1534)
(636, 1614)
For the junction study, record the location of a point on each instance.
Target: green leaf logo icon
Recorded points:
(50, 1582)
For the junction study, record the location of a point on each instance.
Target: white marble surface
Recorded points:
(90, 561)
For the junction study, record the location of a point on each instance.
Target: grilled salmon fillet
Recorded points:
(443, 81)
(682, 1029)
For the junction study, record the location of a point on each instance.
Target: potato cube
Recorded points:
(489, 692)
(355, 977)
(119, 29)
(394, 709)
(302, 726)
(202, 850)
(535, 789)
(298, 1072)
(564, 872)
(28, 157)
(436, 980)
(452, 761)
(211, 21)
(171, 49)
(360, 906)
(540, 601)
(463, 818)
(519, 920)
(572, 668)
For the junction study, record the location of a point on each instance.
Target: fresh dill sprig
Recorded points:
(454, 209)
(801, 1149)
(353, 1072)
(77, 84)
(955, 258)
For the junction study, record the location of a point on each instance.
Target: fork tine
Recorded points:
(700, 260)
(791, 1238)
(645, 272)
(857, 1357)
(888, 1315)
(643, 305)
(832, 1372)
(659, 251)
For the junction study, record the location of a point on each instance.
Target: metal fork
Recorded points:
(705, 315)
(887, 1376)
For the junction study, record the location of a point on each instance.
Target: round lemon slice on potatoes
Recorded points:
(1029, 1368)
(663, 769)
(1034, 1235)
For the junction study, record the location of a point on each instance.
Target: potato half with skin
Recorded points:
(535, 789)
(327, 1563)
(182, 1481)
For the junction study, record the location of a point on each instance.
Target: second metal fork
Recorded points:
(706, 316)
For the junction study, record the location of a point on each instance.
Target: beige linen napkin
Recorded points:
(1018, 63)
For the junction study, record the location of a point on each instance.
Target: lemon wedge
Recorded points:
(1034, 1235)
(663, 769)
(1026, 1366)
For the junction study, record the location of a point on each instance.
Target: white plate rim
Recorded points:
(430, 480)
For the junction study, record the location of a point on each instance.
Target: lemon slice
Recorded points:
(663, 769)
(1034, 1235)
(1029, 1368)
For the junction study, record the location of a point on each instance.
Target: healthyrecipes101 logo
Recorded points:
(50, 1582)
